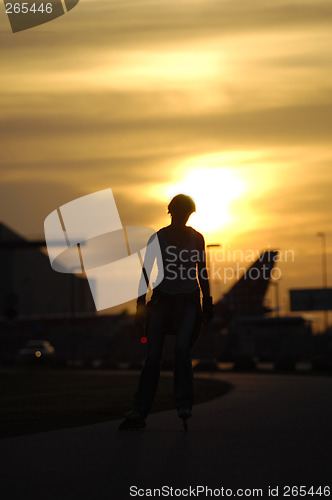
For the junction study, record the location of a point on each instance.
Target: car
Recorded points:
(36, 351)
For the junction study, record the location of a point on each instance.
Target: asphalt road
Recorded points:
(269, 431)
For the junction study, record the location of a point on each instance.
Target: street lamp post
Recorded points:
(324, 271)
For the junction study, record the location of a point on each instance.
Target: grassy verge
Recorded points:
(40, 400)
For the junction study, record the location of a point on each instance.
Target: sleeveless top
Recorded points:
(179, 265)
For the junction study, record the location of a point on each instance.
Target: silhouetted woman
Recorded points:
(175, 307)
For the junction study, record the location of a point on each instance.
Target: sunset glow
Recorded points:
(213, 190)
(228, 102)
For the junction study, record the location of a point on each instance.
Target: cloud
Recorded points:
(292, 124)
(123, 93)
(301, 205)
(148, 22)
(25, 204)
(37, 199)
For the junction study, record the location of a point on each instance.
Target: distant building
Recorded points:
(29, 286)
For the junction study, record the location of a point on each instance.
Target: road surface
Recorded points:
(269, 431)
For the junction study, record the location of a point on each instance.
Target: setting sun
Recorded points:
(213, 190)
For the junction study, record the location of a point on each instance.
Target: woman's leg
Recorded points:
(149, 378)
(183, 373)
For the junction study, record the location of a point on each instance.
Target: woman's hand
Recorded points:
(140, 315)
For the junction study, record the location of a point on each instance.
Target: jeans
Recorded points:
(164, 314)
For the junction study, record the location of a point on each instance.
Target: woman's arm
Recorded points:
(143, 287)
(147, 265)
(203, 279)
(202, 271)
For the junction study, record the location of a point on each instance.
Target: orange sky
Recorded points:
(227, 101)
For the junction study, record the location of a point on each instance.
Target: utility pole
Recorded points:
(324, 273)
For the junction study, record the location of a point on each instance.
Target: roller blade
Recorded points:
(133, 422)
(184, 414)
